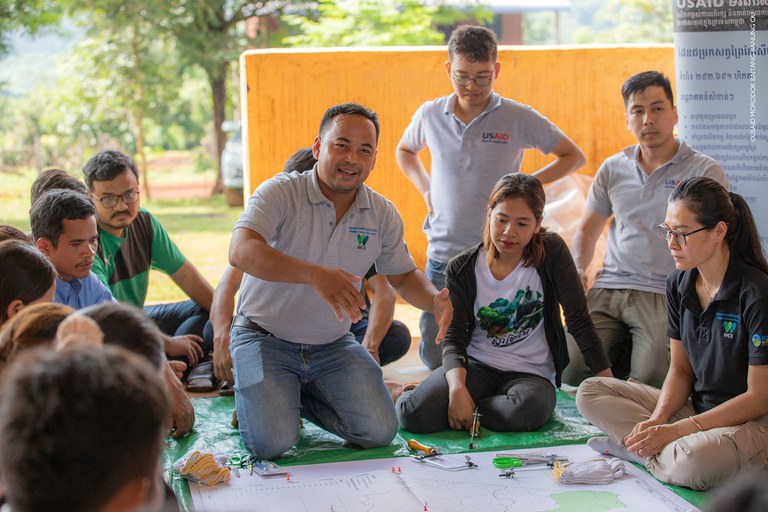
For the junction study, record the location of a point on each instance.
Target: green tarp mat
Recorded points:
(213, 433)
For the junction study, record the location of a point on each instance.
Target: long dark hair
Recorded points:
(530, 190)
(711, 203)
(25, 274)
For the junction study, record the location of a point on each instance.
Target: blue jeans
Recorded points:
(431, 354)
(181, 318)
(337, 386)
(395, 344)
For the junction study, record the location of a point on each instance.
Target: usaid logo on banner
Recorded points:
(495, 137)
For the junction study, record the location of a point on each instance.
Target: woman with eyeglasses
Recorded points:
(710, 418)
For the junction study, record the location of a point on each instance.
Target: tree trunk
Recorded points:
(138, 119)
(218, 81)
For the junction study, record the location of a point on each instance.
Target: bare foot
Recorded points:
(396, 388)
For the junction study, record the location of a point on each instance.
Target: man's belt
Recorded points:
(244, 321)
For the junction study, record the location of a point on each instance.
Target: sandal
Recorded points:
(201, 378)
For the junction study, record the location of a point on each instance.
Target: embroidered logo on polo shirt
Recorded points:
(362, 235)
(730, 322)
(496, 137)
(759, 341)
(670, 184)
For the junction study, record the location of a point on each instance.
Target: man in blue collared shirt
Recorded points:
(64, 229)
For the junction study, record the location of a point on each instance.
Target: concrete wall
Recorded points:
(285, 93)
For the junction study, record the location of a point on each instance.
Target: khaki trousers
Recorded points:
(632, 325)
(698, 460)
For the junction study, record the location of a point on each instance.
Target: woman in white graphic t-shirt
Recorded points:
(505, 350)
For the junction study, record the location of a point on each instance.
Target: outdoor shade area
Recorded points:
(577, 88)
(213, 433)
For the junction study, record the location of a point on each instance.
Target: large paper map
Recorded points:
(406, 485)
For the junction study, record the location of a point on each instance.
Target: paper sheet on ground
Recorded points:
(372, 486)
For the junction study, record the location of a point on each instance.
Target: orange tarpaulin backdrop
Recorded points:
(285, 93)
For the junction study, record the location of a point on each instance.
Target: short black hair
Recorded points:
(77, 425)
(108, 165)
(642, 81)
(302, 160)
(51, 179)
(127, 326)
(50, 210)
(348, 109)
(476, 44)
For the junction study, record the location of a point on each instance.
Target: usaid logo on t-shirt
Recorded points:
(496, 137)
(670, 184)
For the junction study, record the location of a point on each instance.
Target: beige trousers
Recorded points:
(698, 460)
(627, 321)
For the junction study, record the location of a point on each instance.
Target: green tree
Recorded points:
(127, 71)
(30, 16)
(629, 21)
(365, 23)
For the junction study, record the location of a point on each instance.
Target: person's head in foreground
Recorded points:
(26, 277)
(82, 430)
(705, 224)
(513, 226)
(127, 326)
(34, 326)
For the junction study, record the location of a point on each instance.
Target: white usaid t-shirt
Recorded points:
(509, 332)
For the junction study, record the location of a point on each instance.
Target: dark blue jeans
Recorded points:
(395, 344)
(181, 318)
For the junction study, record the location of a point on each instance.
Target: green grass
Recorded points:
(200, 227)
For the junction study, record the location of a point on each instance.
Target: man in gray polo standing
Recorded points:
(627, 301)
(474, 137)
(304, 241)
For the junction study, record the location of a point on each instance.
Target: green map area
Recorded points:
(586, 501)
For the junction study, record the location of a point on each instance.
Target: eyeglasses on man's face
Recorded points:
(680, 237)
(110, 201)
(480, 81)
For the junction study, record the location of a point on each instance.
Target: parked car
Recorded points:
(232, 163)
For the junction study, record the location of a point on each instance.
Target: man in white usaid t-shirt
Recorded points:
(474, 137)
(304, 242)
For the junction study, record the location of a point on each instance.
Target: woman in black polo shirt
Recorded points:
(710, 418)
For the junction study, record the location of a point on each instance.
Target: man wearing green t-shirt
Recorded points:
(131, 242)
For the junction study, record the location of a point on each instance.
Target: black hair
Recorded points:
(52, 208)
(127, 326)
(711, 203)
(108, 165)
(302, 160)
(348, 109)
(78, 425)
(642, 81)
(475, 44)
(25, 274)
(51, 179)
(529, 189)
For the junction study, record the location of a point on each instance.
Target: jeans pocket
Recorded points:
(239, 336)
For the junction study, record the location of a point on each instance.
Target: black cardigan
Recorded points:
(562, 287)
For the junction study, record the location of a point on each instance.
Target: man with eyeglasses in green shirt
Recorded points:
(131, 242)
(474, 137)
